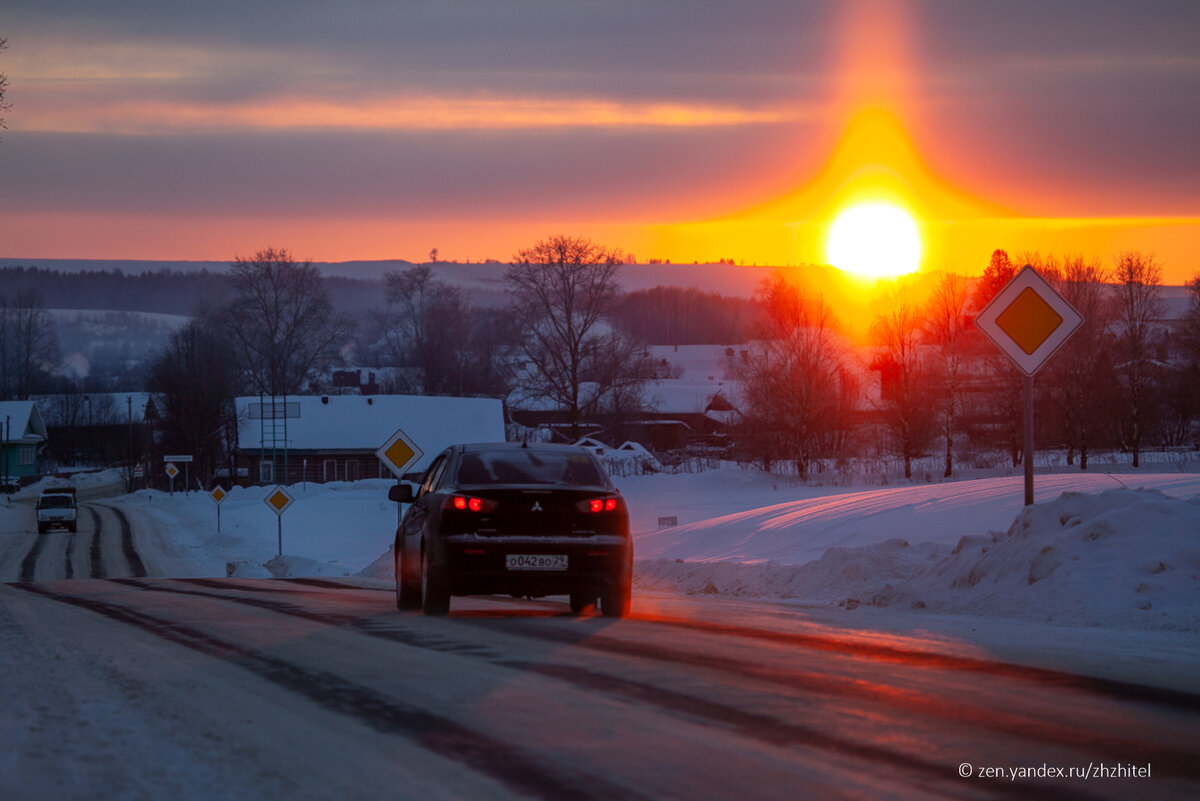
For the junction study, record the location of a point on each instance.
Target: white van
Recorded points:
(56, 508)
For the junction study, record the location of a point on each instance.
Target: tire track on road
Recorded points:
(137, 569)
(766, 729)
(29, 563)
(68, 563)
(96, 552)
(514, 767)
(1180, 762)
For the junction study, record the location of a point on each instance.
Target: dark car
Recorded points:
(526, 520)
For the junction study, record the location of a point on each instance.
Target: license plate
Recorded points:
(528, 561)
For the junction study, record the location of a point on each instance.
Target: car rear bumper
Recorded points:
(480, 565)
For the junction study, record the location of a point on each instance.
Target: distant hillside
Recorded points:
(346, 269)
(176, 287)
(162, 291)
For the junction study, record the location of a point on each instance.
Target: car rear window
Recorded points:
(529, 466)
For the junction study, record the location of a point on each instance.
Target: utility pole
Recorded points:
(129, 404)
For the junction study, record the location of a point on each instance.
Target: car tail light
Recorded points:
(609, 504)
(466, 503)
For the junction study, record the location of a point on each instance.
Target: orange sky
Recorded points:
(737, 132)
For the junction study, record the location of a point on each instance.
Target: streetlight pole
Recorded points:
(129, 404)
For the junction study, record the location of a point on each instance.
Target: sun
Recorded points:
(876, 239)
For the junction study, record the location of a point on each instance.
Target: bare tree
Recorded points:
(28, 344)
(4, 104)
(423, 327)
(281, 323)
(1079, 376)
(904, 376)
(1189, 333)
(567, 353)
(1138, 278)
(196, 382)
(792, 376)
(948, 329)
(1003, 379)
(1185, 392)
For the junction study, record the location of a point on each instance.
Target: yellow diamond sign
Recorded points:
(399, 453)
(171, 470)
(1028, 320)
(279, 500)
(217, 494)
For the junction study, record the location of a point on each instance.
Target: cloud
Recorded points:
(74, 110)
(491, 110)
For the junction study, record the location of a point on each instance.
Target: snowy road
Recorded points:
(242, 688)
(102, 547)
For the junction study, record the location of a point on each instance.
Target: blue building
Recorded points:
(22, 436)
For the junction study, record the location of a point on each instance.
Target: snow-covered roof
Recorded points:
(365, 423)
(21, 422)
(701, 375)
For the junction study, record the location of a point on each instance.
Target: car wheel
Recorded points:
(581, 600)
(408, 593)
(435, 596)
(615, 597)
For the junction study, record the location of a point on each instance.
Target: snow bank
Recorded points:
(334, 529)
(1120, 558)
(1084, 555)
(1124, 558)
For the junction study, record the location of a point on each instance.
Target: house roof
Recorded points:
(365, 423)
(22, 422)
(701, 375)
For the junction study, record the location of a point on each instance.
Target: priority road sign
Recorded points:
(399, 453)
(279, 500)
(218, 495)
(1028, 320)
(171, 470)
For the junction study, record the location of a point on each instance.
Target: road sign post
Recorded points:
(218, 495)
(171, 470)
(1028, 321)
(399, 453)
(184, 459)
(279, 500)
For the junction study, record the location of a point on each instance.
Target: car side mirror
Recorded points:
(400, 493)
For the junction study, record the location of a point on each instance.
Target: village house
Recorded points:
(324, 438)
(22, 437)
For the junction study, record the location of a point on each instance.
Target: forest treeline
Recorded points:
(664, 315)
(164, 291)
